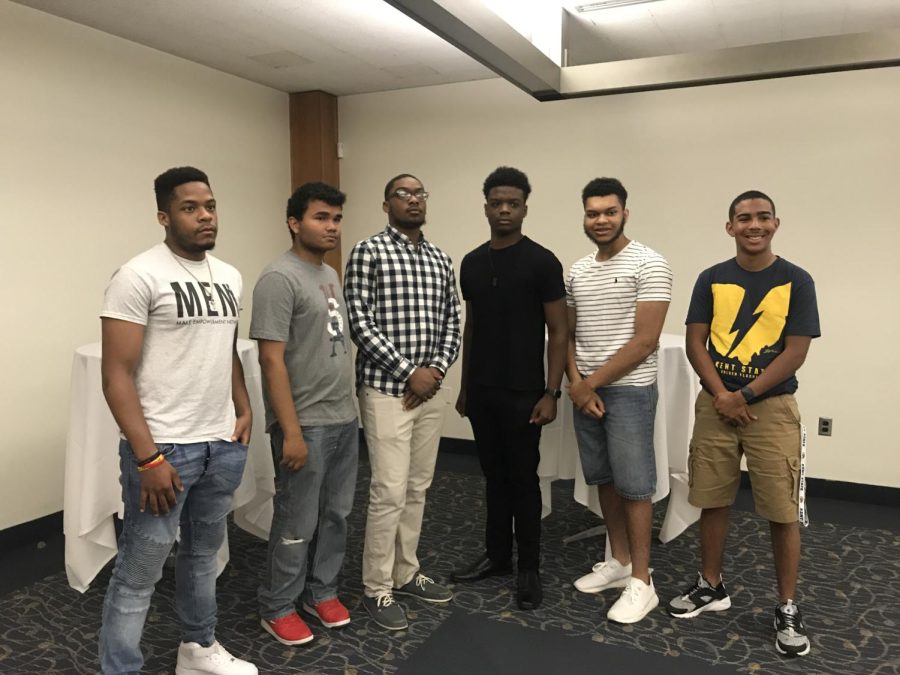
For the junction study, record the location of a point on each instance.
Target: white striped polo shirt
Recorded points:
(605, 296)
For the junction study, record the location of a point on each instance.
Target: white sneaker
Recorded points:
(605, 574)
(213, 660)
(637, 600)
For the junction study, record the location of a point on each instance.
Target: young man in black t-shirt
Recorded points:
(758, 314)
(513, 290)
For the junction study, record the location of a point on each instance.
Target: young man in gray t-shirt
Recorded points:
(298, 321)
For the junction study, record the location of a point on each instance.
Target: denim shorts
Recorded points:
(618, 448)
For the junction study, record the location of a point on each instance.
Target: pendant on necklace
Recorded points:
(209, 299)
(494, 282)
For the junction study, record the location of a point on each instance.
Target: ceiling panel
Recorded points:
(345, 46)
(679, 26)
(356, 46)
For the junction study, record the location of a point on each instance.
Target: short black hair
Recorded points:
(506, 176)
(311, 191)
(601, 187)
(390, 183)
(166, 182)
(749, 194)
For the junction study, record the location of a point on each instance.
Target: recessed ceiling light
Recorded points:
(609, 4)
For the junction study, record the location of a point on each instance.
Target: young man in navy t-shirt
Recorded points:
(749, 327)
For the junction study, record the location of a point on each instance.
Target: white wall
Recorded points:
(824, 147)
(88, 120)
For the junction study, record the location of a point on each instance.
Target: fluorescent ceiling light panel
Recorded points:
(609, 4)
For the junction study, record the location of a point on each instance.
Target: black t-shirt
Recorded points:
(749, 314)
(506, 290)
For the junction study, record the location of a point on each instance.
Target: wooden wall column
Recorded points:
(314, 138)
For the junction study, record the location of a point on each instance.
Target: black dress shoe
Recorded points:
(482, 568)
(529, 593)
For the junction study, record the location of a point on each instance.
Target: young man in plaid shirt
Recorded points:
(400, 293)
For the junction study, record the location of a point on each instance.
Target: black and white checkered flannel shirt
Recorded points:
(403, 309)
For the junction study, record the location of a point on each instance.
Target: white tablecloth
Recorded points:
(92, 494)
(678, 389)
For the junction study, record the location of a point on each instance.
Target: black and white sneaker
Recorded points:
(790, 633)
(699, 598)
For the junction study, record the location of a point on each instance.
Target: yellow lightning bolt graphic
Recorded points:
(765, 332)
(727, 299)
(771, 312)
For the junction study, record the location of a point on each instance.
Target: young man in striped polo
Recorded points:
(617, 299)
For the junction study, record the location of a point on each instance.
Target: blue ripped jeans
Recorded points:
(309, 526)
(210, 473)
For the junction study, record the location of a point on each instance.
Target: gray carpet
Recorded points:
(505, 648)
(850, 596)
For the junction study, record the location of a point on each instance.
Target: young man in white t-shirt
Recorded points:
(617, 299)
(174, 383)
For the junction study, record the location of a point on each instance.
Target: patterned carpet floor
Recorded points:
(850, 596)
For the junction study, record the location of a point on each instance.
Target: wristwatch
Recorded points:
(555, 393)
(747, 393)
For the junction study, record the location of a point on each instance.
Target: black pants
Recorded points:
(509, 454)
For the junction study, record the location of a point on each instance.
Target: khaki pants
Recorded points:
(772, 447)
(403, 448)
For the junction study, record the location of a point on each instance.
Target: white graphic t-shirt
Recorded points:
(184, 376)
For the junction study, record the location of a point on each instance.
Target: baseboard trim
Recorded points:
(820, 488)
(458, 446)
(861, 493)
(27, 534)
(877, 495)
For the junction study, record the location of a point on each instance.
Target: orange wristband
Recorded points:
(152, 463)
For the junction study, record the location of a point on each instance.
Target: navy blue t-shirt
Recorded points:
(749, 315)
(506, 290)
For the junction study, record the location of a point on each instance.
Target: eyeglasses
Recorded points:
(406, 195)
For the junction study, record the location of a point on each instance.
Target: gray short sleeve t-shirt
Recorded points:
(301, 304)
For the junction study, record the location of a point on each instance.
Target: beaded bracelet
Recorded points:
(153, 463)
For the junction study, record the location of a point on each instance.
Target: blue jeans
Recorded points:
(309, 526)
(210, 473)
(618, 447)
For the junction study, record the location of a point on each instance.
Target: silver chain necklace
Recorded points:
(206, 291)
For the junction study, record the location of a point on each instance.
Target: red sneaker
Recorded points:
(331, 613)
(288, 630)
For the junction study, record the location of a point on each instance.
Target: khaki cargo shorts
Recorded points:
(772, 446)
